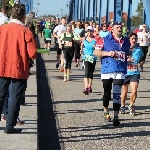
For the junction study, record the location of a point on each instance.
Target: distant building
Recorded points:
(111, 16)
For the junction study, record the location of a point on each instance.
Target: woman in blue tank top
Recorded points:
(90, 60)
(133, 75)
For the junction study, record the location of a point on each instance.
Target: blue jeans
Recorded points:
(15, 88)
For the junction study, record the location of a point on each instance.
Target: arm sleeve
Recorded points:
(31, 45)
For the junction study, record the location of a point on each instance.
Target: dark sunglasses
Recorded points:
(104, 26)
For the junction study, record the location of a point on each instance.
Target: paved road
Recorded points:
(27, 140)
(80, 117)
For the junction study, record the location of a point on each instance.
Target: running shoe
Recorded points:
(90, 90)
(86, 92)
(76, 64)
(82, 68)
(57, 65)
(68, 78)
(132, 110)
(116, 121)
(107, 117)
(122, 110)
(61, 70)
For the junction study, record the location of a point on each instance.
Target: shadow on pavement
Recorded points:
(47, 127)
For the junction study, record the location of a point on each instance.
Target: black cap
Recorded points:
(117, 23)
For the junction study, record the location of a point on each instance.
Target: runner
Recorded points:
(89, 60)
(47, 36)
(83, 35)
(48, 22)
(144, 39)
(67, 45)
(77, 43)
(114, 69)
(42, 25)
(104, 32)
(132, 76)
(3, 15)
(58, 31)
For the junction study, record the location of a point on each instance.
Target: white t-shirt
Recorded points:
(59, 30)
(143, 38)
(3, 18)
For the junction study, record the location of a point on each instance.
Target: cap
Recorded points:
(90, 28)
(117, 23)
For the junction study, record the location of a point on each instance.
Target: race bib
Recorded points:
(67, 43)
(48, 39)
(98, 47)
(132, 67)
(120, 55)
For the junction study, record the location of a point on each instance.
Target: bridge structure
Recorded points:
(29, 5)
(81, 9)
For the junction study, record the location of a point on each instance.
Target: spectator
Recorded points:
(14, 62)
(3, 15)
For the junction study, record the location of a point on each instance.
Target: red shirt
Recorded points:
(17, 47)
(99, 43)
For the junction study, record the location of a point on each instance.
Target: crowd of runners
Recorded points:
(122, 55)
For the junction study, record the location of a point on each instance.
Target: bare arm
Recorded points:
(100, 53)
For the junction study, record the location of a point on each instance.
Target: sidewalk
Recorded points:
(80, 117)
(27, 139)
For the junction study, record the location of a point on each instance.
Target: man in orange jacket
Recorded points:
(16, 49)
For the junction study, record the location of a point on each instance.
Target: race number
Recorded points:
(132, 67)
(67, 43)
(120, 55)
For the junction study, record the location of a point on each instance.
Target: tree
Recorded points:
(138, 19)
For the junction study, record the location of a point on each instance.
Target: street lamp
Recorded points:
(37, 3)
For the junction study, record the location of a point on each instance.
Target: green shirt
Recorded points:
(47, 33)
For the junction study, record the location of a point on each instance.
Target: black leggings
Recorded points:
(68, 58)
(145, 51)
(107, 86)
(89, 69)
(76, 51)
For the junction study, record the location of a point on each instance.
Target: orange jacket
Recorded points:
(17, 47)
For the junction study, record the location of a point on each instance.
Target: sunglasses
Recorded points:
(104, 26)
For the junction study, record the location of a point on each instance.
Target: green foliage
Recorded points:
(138, 19)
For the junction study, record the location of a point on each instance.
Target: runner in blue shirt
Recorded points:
(132, 77)
(89, 59)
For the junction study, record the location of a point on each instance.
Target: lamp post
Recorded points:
(67, 6)
(37, 4)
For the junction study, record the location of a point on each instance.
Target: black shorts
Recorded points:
(131, 78)
(47, 41)
(59, 51)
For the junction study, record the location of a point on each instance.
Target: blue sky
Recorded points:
(54, 7)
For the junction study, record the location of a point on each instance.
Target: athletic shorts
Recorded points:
(131, 78)
(59, 51)
(47, 41)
